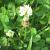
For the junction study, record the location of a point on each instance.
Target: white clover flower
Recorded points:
(10, 33)
(25, 10)
(25, 22)
(26, 19)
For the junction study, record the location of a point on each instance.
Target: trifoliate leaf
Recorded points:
(36, 38)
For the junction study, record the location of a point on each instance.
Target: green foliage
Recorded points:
(3, 41)
(30, 44)
(34, 37)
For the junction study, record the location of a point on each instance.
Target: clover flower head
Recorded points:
(25, 22)
(25, 10)
(10, 33)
